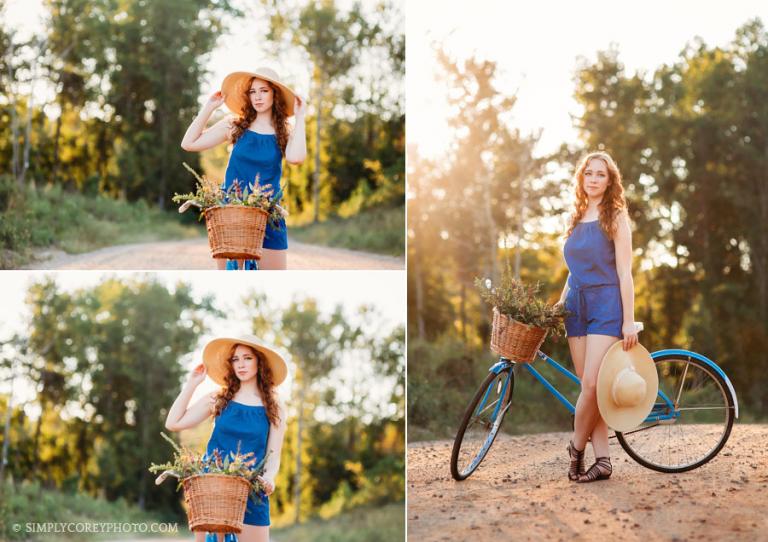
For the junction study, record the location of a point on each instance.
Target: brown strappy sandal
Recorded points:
(576, 469)
(600, 470)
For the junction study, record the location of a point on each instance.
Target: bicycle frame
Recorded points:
(665, 410)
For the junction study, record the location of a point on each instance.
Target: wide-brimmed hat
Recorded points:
(216, 358)
(235, 86)
(627, 386)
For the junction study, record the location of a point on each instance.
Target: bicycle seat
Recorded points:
(639, 326)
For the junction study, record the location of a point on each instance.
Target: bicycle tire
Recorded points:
(468, 414)
(713, 451)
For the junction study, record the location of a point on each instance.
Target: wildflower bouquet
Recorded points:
(188, 463)
(513, 298)
(209, 193)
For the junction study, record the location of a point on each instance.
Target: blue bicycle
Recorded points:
(688, 425)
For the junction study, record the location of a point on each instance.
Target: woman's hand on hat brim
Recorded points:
(197, 375)
(216, 100)
(630, 335)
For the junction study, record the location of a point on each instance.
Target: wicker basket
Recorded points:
(515, 341)
(236, 232)
(216, 502)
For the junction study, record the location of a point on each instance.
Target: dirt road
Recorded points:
(195, 254)
(521, 492)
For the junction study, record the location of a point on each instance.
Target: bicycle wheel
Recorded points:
(697, 427)
(481, 422)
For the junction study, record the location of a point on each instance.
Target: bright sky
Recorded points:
(384, 290)
(536, 47)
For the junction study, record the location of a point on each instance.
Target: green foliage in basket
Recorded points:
(209, 193)
(188, 463)
(520, 302)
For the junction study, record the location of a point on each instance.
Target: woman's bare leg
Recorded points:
(578, 347)
(254, 533)
(273, 259)
(200, 537)
(270, 259)
(600, 439)
(587, 414)
(250, 533)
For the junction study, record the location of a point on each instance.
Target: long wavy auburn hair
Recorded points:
(279, 116)
(264, 382)
(613, 201)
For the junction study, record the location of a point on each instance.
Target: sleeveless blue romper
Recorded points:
(249, 426)
(258, 154)
(594, 297)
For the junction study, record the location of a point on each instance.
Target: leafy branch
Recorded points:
(209, 193)
(188, 463)
(513, 298)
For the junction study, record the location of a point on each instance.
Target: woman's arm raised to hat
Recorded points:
(623, 245)
(296, 150)
(182, 416)
(274, 447)
(197, 139)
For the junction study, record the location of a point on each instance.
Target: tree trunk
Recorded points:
(493, 234)
(520, 228)
(297, 475)
(6, 435)
(419, 287)
(144, 420)
(15, 167)
(463, 310)
(30, 107)
(36, 441)
(760, 247)
(164, 118)
(316, 173)
(56, 138)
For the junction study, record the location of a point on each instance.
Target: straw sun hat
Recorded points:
(216, 358)
(235, 86)
(627, 385)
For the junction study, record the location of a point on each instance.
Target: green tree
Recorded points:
(314, 343)
(110, 353)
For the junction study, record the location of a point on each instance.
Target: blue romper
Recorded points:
(594, 296)
(249, 426)
(258, 154)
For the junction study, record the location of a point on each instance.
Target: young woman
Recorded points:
(599, 294)
(246, 412)
(261, 138)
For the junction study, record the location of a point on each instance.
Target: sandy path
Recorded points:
(521, 492)
(195, 254)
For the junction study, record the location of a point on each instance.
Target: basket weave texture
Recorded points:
(236, 232)
(514, 340)
(216, 502)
